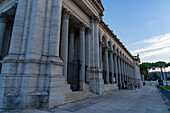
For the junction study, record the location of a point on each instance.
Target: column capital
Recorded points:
(114, 52)
(92, 19)
(106, 48)
(101, 43)
(66, 14)
(3, 17)
(118, 55)
(82, 26)
(111, 51)
(72, 28)
(96, 19)
(88, 30)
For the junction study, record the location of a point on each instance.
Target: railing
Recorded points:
(165, 92)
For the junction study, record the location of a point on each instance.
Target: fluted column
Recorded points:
(125, 70)
(82, 55)
(64, 41)
(71, 46)
(111, 65)
(119, 69)
(96, 43)
(71, 57)
(2, 29)
(92, 43)
(106, 64)
(87, 54)
(115, 67)
(101, 64)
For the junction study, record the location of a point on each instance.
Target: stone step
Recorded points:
(79, 95)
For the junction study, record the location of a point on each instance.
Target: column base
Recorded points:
(107, 83)
(29, 96)
(84, 87)
(96, 81)
(67, 88)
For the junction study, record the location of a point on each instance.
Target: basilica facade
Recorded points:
(52, 48)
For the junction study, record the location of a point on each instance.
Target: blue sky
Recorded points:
(142, 25)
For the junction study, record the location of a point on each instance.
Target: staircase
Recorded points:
(79, 95)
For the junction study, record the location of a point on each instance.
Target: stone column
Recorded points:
(71, 57)
(87, 54)
(111, 65)
(82, 56)
(123, 70)
(115, 67)
(55, 80)
(95, 79)
(119, 69)
(92, 43)
(71, 45)
(96, 43)
(101, 64)
(64, 41)
(106, 64)
(2, 29)
(128, 72)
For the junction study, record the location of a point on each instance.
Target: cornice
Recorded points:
(99, 6)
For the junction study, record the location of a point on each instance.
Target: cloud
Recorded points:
(150, 24)
(155, 46)
(156, 52)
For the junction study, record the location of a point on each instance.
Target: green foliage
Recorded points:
(154, 77)
(144, 67)
(166, 87)
(159, 64)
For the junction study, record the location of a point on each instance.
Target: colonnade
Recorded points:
(55, 44)
(116, 68)
(78, 50)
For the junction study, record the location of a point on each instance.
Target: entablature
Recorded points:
(113, 37)
(6, 5)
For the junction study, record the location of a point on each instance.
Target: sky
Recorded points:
(143, 26)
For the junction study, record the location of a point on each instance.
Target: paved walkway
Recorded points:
(146, 100)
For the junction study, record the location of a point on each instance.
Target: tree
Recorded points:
(145, 67)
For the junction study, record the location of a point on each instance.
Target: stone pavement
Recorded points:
(146, 100)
